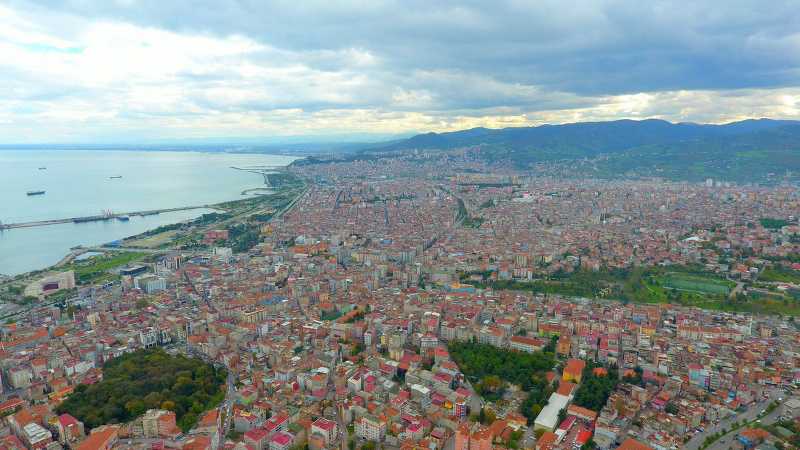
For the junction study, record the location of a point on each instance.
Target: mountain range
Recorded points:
(761, 150)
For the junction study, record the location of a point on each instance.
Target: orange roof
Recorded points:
(547, 441)
(633, 444)
(209, 419)
(754, 434)
(24, 417)
(581, 411)
(575, 366)
(565, 388)
(100, 438)
(198, 443)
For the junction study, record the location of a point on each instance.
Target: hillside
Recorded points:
(749, 150)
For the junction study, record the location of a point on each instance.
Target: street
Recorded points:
(747, 416)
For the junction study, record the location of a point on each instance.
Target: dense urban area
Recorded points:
(422, 300)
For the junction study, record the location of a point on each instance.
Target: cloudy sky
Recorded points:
(149, 70)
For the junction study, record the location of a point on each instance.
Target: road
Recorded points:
(747, 416)
(344, 433)
(227, 406)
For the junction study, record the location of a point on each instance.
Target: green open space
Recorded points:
(145, 379)
(695, 283)
(487, 367)
(780, 274)
(679, 285)
(97, 268)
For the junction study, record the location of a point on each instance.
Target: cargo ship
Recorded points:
(31, 193)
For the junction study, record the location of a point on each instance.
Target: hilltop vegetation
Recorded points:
(145, 379)
(750, 150)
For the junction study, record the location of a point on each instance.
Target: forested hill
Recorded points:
(740, 151)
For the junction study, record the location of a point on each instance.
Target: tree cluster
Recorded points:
(480, 360)
(594, 390)
(148, 379)
(492, 366)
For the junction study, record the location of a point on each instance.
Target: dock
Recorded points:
(98, 218)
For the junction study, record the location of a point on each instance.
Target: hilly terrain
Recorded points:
(752, 150)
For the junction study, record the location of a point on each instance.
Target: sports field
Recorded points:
(700, 284)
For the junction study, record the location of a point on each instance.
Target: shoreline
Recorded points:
(264, 189)
(277, 152)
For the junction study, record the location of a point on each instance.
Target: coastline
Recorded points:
(114, 223)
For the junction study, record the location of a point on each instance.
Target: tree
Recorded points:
(168, 405)
(134, 382)
(562, 414)
(490, 417)
(671, 408)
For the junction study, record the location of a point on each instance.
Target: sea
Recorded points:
(79, 183)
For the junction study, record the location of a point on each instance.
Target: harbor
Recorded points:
(107, 215)
(78, 184)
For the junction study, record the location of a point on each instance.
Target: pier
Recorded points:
(264, 171)
(102, 217)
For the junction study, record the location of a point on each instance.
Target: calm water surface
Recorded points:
(78, 183)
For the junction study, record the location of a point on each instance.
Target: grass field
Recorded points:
(96, 269)
(684, 285)
(780, 274)
(154, 241)
(699, 284)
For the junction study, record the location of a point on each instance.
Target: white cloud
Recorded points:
(65, 76)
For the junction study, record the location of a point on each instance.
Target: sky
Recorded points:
(76, 71)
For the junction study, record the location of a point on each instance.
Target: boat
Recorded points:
(42, 168)
(31, 193)
(123, 218)
(115, 177)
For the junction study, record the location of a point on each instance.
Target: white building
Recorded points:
(20, 377)
(370, 428)
(150, 283)
(148, 337)
(223, 253)
(548, 417)
(326, 428)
